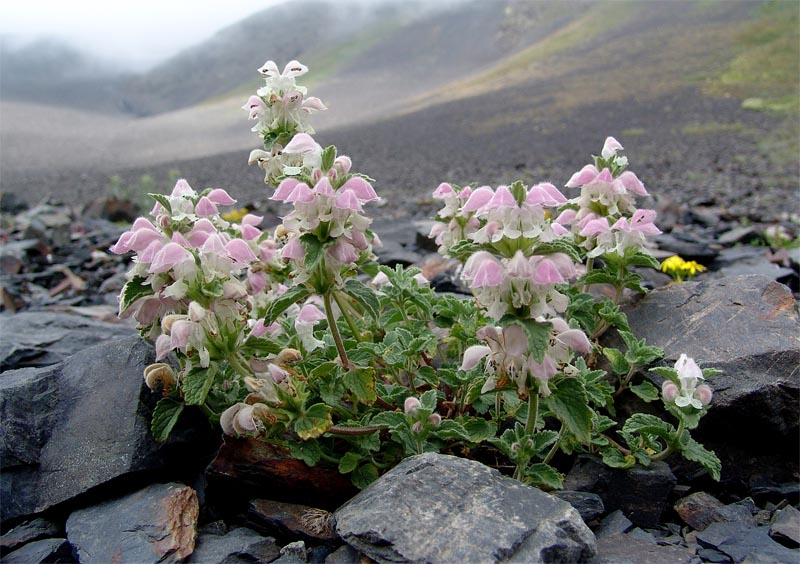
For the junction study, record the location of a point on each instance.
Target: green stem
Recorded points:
(589, 268)
(337, 338)
(623, 384)
(671, 446)
(554, 449)
(242, 369)
(347, 317)
(530, 428)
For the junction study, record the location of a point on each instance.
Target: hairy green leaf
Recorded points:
(694, 451)
(163, 200)
(544, 476)
(538, 334)
(284, 301)
(361, 383)
(197, 383)
(570, 404)
(619, 365)
(314, 251)
(134, 289)
(314, 422)
(349, 462)
(364, 296)
(645, 390)
(165, 415)
(451, 430)
(307, 451)
(364, 475)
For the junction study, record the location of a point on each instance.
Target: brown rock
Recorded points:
(291, 519)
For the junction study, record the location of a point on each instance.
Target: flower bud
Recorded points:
(411, 406)
(160, 374)
(435, 419)
(669, 390)
(288, 356)
(417, 427)
(168, 320)
(703, 393)
(515, 447)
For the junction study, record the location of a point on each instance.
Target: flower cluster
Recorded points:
(604, 217)
(687, 392)
(282, 110)
(681, 269)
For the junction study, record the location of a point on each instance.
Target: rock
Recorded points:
(686, 247)
(740, 542)
(640, 492)
(238, 545)
(589, 505)
(785, 527)
(764, 268)
(442, 509)
(613, 523)
(642, 535)
(711, 555)
(765, 491)
(248, 468)
(700, 509)
(291, 520)
(741, 234)
(619, 548)
(732, 256)
(295, 549)
(28, 532)
(67, 428)
(40, 552)
(155, 524)
(422, 228)
(748, 327)
(344, 555)
(45, 338)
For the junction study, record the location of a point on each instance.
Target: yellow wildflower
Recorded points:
(681, 269)
(235, 215)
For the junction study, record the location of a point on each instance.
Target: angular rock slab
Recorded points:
(69, 427)
(442, 509)
(43, 338)
(156, 524)
(747, 326)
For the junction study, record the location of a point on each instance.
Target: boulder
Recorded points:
(442, 509)
(291, 520)
(744, 542)
(41, 552)
(619, 548)
(43, 338)
(28, 532)
(237, 545)
(700, 509)
(67, 428)
(785, 527)
(153, 525)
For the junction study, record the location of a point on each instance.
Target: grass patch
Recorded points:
(706, 128)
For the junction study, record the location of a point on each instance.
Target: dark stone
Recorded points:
(239, 544)
(344, 555)
(296, 550)
(740, 326)
(422, 241)
(700, 509)
(28, 532)
(442, 509)
(589, 505)
(741, 234)
(67, 428)
(291, 520)
(711, 555)
(614, 522)
(248, 468)
(687, 247)
(44, 338)
(785, 526)
(764, 491)
(50, 551)
(619, 548)
(640, 492)
(740, 542)
(156, 524)
(642, 535)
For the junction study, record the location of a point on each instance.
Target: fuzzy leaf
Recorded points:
(134, 289)
(328, 156)
(349, 462)
(390, 419)
(452, 430)
(361, 383)
(307, 451)
(544, 476)
(428, 400)
(197, 383)
(644, 259)
(612, 315)
(643, 423)
(479, 429)
(694, 451)
(666, 372)
(597, 277)
(314, 251)
(647, 391)
(538, 334)
(165, 415)
(364, 475)
(559, 246)
(364, 296)
(570, 404)
(164, 201)
(284, 301)
(314, 422)
(619, 365)
(615, 459)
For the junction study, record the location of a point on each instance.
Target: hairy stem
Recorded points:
(347, 317)
(337, 338)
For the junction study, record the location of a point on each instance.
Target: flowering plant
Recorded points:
(299, 338)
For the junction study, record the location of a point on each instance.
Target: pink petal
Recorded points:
(489, 274)
(269, 68)
(502, 198)
(444, 190)
(360, 188)
(294, 249)
(220, 197)
(610, 148)
(300, 143)
(576, 340)
(604, 176)
(293, 68)
(301, 193)
(547, 273)
(473, 355)
(343, 251)
(251, 219)
(632, 183)
(285, 188)
(559, 229)
(240, 251)
(479, 198)
(583, 176)
(343, 164)
(182, 188)
(249, 232)
(323, 187)
(545, 194)
(595, 227)
(214, 245)
(170, 255)
(310, 313)
(347, 200)
(542, 371)
(313, 103)
(148, 254)
(566, 217)
(205, 207)
(516, 340)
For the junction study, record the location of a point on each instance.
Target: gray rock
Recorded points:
(763, 268)
(746, 326)
(642, 535)
(70, 427)
(28, 532)
(295, 549)
(741, 234)
(712, 555)
(613, 523)
(740, 542)
(41, 551)
(155, 524)
(243, 544)
(344, 555)
(43, 338)
(700, 509)
(785, 526)
(640, 492)
(687, 247)
(589, 505)
(625, 549)
(442, 509)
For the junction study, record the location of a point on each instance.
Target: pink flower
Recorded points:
(240, 251)
(220, 197)
(294, 249)
(444, 190)
(545, 194)
(323, 187)
(478, 199)
(361, 188)
(502, 198)
(546, 272)
(347, 200)
(595, 227)
(168, 257)
(300, 144)
(631, 183)
(584, 176)
(342, 165)
(205, 207)
(304, 326)
(483, 269)
(255, 106)
(411, 405)
(343, 251)
(292, 69)
(301, 193)
(141, 235)
(610, 148)
(285, 188)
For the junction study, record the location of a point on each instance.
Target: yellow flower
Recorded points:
(681, 269)
(235, 215)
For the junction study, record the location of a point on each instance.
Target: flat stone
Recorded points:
(28, 532)
(619, 548)
(67, 428)
(699, 510)
(344, 555)
(640, 492)
(785, 526)
(43, 338)
(740, 542)
(154, 525)
(236, 545)
(291, 519)
(443, 509)
(741, 234)
(41, 552)
(613, 523)
(295, 549)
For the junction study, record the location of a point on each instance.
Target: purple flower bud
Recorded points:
(411, 405)
(417, 427)
(669, 390)
(703, 393)
(435, 419)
